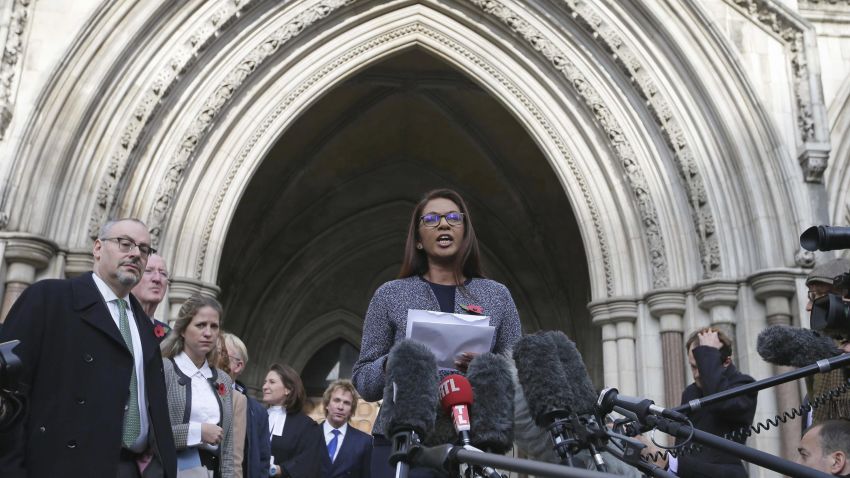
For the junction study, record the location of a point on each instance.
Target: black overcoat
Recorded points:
(76, 378)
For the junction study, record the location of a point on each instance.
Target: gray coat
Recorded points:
(386, 323)
(178, 386)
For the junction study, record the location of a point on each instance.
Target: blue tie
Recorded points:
(332, 444)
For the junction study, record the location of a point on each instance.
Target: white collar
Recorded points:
(189, 368)
(106, 292)
(277, 410)
(329, 428)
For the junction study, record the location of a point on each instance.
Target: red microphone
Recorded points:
(455, 398)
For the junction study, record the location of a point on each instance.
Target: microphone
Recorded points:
(541, 382)
(492, 414)
(455, 398)
(783, 345)
(583, 429)
(410, 400)
(580, 389)
(610, 398)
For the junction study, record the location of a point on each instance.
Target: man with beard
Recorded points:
(151, 290)
(92, 371)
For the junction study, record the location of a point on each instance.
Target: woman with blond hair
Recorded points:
(199, 395)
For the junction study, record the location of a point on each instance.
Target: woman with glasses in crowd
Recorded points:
(199, 394)
(296, 439)
(441, 271)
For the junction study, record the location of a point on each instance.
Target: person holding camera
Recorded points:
(821, 282)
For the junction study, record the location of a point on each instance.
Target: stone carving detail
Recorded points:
(10, 66)
(823, 3)
(214, 104)
(669, 126)
(352, 55)
(186, 55)
(804, 258)
(812, 127)
(606, 119)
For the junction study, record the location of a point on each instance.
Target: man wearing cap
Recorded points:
(820, 282)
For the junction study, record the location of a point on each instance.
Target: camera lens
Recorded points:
(825, 238)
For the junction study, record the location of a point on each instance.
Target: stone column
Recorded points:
(78, 261)
(617, 318)
(182, 288)
(669, 307)
(25, 255)
(775, 288)
(719, 298)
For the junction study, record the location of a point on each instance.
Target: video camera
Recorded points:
(831, 313)
(10, 367)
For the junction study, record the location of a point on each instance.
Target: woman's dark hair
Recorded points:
(468, 261)
(291, 380)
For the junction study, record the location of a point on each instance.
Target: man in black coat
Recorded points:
(85, 345)
(710, 357)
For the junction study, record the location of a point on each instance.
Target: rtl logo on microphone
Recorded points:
(460, 417)
(448, 386)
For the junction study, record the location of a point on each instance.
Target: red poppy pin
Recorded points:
(159, 331)
(222, 390)
(473, 309)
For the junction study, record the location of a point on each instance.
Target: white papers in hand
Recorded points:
(448, 335)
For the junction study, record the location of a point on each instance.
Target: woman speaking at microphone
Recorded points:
(199, 395)
(440, 271)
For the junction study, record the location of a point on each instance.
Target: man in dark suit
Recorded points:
(710, 357)
(256, 451)
(151, 290)
(92, 371)
(348, 451)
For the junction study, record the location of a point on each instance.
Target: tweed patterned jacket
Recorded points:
(179, 399)
(386, 323)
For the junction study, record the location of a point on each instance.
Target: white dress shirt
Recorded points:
(328, 429)
(141, 443)
(204, 408)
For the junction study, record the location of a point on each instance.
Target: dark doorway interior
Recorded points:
(323, 221)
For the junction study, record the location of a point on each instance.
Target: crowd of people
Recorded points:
(111, 391)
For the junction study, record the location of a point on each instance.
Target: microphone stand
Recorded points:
(446, 457)
(628, 449)
(820, 366)
(757, 457)
(572, 433)
(405, 444)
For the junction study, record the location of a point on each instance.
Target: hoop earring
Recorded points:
(419, 246)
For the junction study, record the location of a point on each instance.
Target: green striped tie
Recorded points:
(132, 420)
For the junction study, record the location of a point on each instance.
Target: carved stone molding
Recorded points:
(214, 104)
(78, 261)
(716, 293)
(799, 41)
(157, 88)
(669, 126)
(414, 28)
(10, 64)
(831, 4)
(30, 249)
(614, 310)
(605, 119)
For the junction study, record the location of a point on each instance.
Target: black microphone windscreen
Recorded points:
(579, 386)
(492, 413)
(410, 393)
(541, 378)
(783, 345)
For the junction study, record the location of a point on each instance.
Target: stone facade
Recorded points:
(638, 169)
